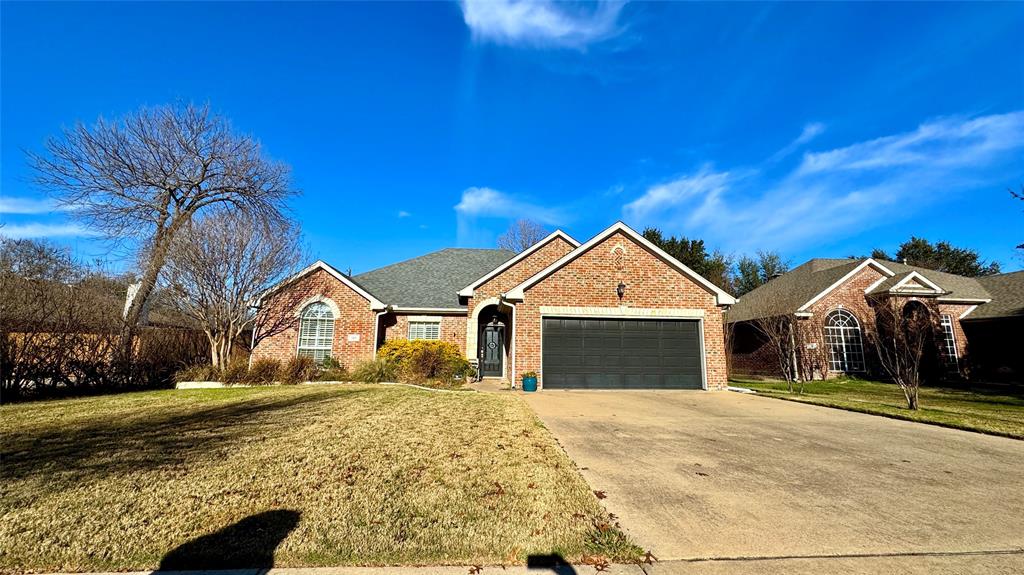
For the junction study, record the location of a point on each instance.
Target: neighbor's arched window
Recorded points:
(842, 334)
(316, 331)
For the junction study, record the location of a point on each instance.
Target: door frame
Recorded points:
(627, 313)
(503, 354)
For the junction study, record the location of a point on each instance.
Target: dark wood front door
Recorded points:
(492, 350)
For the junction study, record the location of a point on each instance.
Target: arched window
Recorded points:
(316, 331)
(842, 334)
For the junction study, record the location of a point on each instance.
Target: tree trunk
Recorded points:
(912, 399)
(161, 245)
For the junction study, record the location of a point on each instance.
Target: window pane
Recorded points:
(316, 332)
(424, 330)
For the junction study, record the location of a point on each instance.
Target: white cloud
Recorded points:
(810, 131)
(403, 214)
(541, 22)
(705, 184)
(480, 202)
(945, 143)
(39, 230)
(834, 193)
(11, 205)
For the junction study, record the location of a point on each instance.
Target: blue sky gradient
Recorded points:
(819, 130)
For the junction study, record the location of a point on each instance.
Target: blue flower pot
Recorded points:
(529, 384)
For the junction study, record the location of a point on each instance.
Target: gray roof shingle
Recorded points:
(1007, 291)
(786, 293)
(432, 280)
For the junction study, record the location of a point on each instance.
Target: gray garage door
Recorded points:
(621, 353)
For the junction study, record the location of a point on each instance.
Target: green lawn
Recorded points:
(336, 474)
(998, 410)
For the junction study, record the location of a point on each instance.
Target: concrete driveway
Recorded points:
(716, 479)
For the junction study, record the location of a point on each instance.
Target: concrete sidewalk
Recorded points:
(1008, 562)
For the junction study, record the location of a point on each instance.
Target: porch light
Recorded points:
(621, 289)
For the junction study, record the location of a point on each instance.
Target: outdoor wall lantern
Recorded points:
(621, 289)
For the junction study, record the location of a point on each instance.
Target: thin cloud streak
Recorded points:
(39, 230)
(541, 23)
(28, 206)
(810, 132)
(834, 193)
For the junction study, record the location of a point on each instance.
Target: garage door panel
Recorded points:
(600, 353)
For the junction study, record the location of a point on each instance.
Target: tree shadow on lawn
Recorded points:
(163, 440)
(247, 544)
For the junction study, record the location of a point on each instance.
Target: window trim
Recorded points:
(434, 322)
(318, 345)
(949, 340)
(844, 332)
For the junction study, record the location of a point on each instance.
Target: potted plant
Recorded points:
(530, 381)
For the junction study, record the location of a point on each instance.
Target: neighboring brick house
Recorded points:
(615, 312)
(833, 302)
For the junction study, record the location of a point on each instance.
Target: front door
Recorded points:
(492, 350)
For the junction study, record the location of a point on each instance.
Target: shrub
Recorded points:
(264, 371)
(297, 370)
(375, 370)
(200, 372)
(236, 372)
(419, 361)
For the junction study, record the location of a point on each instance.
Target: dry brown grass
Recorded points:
(378, 475)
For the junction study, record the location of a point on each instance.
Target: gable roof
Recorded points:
(721, 297)
(468, 290)
(793, 289)
(432, 281)
(957, 288)
(911, 282)
(798, 289)
(1007, 292)
(375, 303)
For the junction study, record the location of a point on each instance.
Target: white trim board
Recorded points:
(620, 312)
(375, 304)
(868, 262)
(721, 297)
(934, 288)
(469, 290)
(967, 311)
(429, 310)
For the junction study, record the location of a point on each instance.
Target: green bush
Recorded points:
(375, 370)
(297, 370)
(425, 361)
(264, 371)
(199, 372)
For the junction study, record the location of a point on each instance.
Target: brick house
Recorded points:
(833, 302)
(614, 312)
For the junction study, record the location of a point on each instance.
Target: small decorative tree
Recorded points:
(902, 335)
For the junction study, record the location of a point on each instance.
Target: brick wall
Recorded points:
(590, 281)
(284, 306)
(453, 328)
(516, 274)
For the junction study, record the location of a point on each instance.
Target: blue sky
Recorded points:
(813, 129)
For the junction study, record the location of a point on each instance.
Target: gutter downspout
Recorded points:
(376, 326)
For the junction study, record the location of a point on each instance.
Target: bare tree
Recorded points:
(780, 338)
(521, 235)
(903, 334)
(142, 179)
(218, 266)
